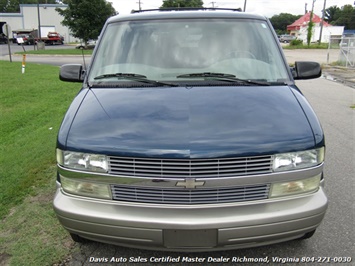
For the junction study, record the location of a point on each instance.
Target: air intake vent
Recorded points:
(195, 168)
(189, 197)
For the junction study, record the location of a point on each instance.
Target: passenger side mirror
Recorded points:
(306, 70)
(72, 73)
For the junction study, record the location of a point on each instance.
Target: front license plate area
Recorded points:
(190, 238)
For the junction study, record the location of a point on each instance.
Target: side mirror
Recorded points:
(72, 73)
(306, 70)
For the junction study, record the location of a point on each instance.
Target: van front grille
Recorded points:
(190, 168)
(189, 197)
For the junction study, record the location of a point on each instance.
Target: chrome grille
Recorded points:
(193, 168)
(189, 197)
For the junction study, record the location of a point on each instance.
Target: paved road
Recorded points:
(14, 48)
(322, 56)
(41, 59)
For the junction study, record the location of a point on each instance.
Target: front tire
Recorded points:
(78, 239)
(308, 235)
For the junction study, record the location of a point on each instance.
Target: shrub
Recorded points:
(296, 42)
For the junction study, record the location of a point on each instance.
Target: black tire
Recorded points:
(308, 235)
(78, 239)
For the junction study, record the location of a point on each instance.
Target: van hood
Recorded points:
(198, 122)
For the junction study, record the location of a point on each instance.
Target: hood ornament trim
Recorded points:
(190, 183)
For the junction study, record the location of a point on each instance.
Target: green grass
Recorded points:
(312, 46)
(32, 106)
(29, 50)
(339, 63)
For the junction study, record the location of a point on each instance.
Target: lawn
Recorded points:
(48, 51)
(311, 46)
(32, 106)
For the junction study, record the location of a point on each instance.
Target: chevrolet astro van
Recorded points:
(189, 134)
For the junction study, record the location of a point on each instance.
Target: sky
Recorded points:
(266, 8)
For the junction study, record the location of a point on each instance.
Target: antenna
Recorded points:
(82, 52)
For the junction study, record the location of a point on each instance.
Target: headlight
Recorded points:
(83, 161)
(295, 187)
(298, 160)
(85, 188)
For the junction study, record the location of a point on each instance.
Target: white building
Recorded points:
(327, 33)
(27, 20)
(299, 28)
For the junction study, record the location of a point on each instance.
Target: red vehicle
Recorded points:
(52, 38)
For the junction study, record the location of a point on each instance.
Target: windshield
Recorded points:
(171, 50)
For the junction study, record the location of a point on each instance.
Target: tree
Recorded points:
(345, 17)
(85, 18)
(331, 14)
(281, 21)
(182, 3)
(310, 29)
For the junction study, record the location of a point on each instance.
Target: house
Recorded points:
(299, 28)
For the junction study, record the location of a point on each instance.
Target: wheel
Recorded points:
(78, 239)
(308, 235)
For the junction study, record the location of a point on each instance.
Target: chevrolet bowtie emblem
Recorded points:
(190, 183)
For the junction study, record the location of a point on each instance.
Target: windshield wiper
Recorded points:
(223, 77)
(206, 75)
(120, 75)
(135, 77)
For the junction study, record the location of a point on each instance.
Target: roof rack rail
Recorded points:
(186, 9)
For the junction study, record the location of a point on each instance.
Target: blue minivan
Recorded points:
(189, 134)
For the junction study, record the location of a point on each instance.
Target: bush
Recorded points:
(296, 43)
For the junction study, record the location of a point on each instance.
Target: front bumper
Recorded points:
(185, 228)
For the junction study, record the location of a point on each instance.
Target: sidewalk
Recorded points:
(340, 74)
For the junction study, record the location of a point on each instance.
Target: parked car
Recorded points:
(27, 39)
(287, 38)
(90, 45)
(3, 38)
(190, 134)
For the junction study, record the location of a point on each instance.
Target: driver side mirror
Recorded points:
(72, 73)
(306, 70)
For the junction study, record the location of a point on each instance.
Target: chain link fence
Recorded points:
(346, 51)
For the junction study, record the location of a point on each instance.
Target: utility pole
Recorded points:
(305, 8)
(310, 26)
(322, 22)
(139, 5)
(245, 5)
(40, 44)
(39, 23)
(213, 4)
(313, 5)
(311, 17)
